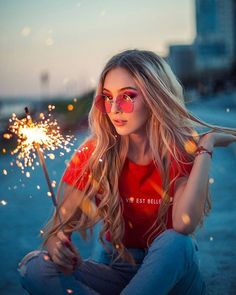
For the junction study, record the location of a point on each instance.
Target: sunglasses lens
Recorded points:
(102, 105)
(125, 104)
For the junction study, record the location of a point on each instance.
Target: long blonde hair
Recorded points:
(171, 129)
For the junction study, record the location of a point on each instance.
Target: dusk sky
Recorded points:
(72, 40)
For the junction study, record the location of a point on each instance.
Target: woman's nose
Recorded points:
(115, 107)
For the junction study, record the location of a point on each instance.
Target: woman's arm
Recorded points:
(191, 193)
(70, 196)
(59, 246)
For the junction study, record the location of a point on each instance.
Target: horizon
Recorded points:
(60, 42)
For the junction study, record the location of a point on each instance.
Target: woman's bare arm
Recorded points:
(59, 246)
(191, 193)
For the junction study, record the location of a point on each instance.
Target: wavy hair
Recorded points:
(171, 131)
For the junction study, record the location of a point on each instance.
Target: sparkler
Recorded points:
(35, 138)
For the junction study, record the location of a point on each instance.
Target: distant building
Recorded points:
(44, 84)
(234, 37)
(181, 58)
(215, 43)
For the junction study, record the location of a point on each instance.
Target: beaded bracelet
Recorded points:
(202, 150)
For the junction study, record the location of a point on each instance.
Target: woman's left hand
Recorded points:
(216, 139)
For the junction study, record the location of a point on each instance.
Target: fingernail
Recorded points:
(67, 244)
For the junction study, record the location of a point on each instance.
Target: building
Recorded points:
(215, 35)
(181, 58)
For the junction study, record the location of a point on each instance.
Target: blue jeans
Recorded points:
(169, 266)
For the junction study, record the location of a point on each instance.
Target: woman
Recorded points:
(143, 172)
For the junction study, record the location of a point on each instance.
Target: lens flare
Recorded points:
(186, 219)
(211, 180)
(190, 146)
(70, 107)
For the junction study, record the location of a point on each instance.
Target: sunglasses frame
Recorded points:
(99, 100)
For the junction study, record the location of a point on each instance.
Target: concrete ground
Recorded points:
(217, 238)
(28, 208)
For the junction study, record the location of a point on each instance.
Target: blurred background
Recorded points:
(51, 53)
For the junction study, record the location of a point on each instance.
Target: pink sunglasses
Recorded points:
(124, 101)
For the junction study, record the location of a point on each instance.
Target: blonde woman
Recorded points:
(142, 172)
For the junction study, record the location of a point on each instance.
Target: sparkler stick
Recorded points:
(43, 164)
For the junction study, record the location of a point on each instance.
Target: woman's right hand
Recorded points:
(65, 254)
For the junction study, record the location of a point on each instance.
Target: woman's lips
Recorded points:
(119, 122)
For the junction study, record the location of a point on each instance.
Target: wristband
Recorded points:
(202, 150)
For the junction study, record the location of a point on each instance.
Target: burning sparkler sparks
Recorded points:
(3, 202)
(33, 138)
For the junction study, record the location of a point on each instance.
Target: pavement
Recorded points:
(27, 209)
(217, 237)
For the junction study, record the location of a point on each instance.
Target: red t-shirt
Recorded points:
(76, 164)
(140, 190)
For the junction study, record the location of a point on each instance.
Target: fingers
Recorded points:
(67, 242)
(63, 237)
(223, 139)
(62, 256)
(59, 259)
(65, 254)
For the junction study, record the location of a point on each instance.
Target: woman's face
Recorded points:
(119, 81)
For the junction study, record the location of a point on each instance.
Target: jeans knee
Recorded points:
(174, 242)
(171, 235)
(33, 269)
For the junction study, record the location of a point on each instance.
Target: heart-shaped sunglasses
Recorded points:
(124, 101)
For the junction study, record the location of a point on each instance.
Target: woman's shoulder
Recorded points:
(85, 149)
(77, 164)
(87, 145)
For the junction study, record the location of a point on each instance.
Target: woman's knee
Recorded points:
(34, 268)
(172, 236)
(175, 241)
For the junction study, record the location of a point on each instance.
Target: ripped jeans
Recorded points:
(169, 266)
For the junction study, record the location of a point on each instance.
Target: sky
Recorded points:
(72, 40)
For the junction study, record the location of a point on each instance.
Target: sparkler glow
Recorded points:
(35, 138)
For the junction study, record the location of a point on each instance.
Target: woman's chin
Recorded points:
(121, 131)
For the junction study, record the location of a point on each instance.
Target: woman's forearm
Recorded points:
(189, 208)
